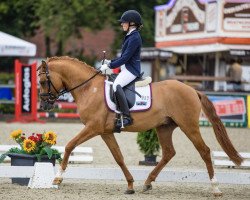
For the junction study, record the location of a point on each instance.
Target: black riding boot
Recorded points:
(123, 106)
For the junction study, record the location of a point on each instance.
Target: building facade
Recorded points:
(206, 35)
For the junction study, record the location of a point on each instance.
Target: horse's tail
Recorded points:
(219, 129)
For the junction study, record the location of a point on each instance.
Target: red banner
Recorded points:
(230, 107)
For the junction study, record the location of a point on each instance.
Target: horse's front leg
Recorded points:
(116, 152)
(86, 134)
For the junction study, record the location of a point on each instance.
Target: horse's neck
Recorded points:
(71, 72)
(74, 74)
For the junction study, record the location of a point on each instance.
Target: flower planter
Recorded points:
(27, 160)
(149, 146)
(149, 160)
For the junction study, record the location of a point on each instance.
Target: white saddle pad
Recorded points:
(142, 103)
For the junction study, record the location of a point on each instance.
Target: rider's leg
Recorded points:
(124, 78)
(123, 105)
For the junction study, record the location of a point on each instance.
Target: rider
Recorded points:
(131, 23)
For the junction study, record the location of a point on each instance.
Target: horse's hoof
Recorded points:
(57, 180)
(129, 191)
(147, 188)
(218, 194)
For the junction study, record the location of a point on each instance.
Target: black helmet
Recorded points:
(131, 16)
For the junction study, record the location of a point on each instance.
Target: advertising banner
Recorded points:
(230, 109)
(25, 92)
(248, 110)
(26, 89)
(236, 16)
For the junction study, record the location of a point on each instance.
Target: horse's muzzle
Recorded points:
(46, 106)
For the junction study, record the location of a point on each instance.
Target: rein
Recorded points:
(53, 97)
(83, 83)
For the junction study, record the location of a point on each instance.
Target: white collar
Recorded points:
(130, 31)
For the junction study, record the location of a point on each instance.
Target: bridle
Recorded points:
(49, 97)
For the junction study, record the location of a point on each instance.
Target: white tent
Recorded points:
(13, 46)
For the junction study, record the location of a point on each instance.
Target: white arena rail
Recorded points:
(220, 159)
(139, 174)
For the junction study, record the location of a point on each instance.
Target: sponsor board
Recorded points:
(232, 111)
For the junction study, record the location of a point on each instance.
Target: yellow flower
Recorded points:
(29, 145)
(50, 137)
(16, 134)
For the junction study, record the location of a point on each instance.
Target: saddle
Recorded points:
(137, 93)
(129, 90)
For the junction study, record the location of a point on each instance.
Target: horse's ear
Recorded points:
(42, 66)
(44, 63)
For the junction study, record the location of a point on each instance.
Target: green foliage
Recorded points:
(2, 157)
(5, 78)
(62, 19)
(18, 17)
(16, 150)
(7, 108)
(49, 151)
(148, 142)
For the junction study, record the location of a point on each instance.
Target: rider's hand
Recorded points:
(107, 62)
(104, 67)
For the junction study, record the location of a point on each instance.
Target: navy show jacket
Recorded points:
(130, 54)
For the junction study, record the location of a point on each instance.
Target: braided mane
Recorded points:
(70, 59)
(64, 58)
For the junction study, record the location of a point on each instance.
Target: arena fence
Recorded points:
(61, 105)
(139, 174)
(220, 159)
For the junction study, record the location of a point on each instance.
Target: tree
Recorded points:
(146, 8)
(18, 17)
(63, 19)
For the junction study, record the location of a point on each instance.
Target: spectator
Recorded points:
(235, 71)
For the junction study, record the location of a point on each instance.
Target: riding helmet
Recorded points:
(131, 16)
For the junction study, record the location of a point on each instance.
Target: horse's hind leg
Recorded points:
(116, 152)
(193, 133)
(164, 134)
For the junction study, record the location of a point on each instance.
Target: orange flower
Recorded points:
(29, 145)
(50, 137)
(16, 134)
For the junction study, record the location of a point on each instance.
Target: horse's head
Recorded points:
(55, 78)
(49, 87)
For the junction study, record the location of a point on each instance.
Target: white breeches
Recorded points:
(124, 78)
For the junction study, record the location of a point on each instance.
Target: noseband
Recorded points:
(52, 97)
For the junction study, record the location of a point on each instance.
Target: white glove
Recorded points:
(107, 62)
(104, 67)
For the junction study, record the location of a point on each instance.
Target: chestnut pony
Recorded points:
(174, 105)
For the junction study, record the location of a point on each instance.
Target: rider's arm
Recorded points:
(133, 45)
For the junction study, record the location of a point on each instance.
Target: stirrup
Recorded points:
(118, 123)
(124, 121)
